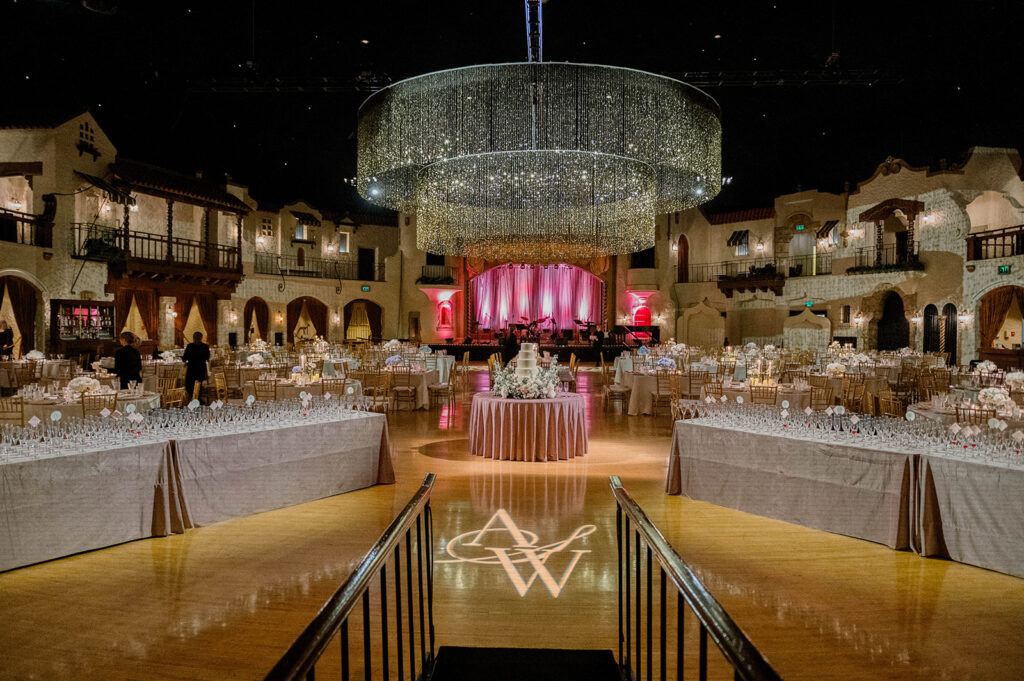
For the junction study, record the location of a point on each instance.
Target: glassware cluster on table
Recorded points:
(94, 433)
(994, 442)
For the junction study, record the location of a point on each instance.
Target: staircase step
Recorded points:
(456, 663)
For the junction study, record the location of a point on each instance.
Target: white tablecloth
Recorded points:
(848, 490)
(142, 403)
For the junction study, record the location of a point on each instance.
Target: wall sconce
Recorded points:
(336, 318)
(927, 219)
(233, 316)
(330, 248)
(675, 246)
(280, 318)
(106, 208)
(134, 208)
(854, 232)
(858, 318)
(965, 318)
(760, 246)
(14, 204)
(916, 318)
(261, 239)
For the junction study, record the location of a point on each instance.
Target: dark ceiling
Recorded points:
(166, 79)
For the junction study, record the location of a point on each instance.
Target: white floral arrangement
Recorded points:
(258, 345)
(168, 356)
(995, 397)
(679, 348)
(83, 384)
(320, 345)
(392, 344)
(905, 352)
(34, 354)
(751, 346)
(769, 348)
(833, 368)
(860, 358)
(426, 349)
(255, 359)
(393, 360)
(540, 385)
(986, 367)
(834, 344)
(1015, 379)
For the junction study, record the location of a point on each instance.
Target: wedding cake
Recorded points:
(526, 362)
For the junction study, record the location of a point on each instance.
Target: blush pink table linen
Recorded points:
(528, 430)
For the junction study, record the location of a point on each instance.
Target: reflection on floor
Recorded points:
(224, 601)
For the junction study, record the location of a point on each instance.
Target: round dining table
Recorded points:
(528, 430)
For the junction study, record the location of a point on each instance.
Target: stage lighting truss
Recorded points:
(538, 161)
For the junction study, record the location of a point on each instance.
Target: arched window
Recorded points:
(683, 260)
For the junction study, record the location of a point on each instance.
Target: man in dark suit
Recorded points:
(128, 361)
(197, 354)
(6, 339)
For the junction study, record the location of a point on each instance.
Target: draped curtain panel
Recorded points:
(512, 294)
(122, 305)
(292, 313)
(208, 310)
(182, 305)
(317, 314)
(259, 308)
(994, 306)
(373, 317)
(373, 314)
(146, 301)
(23, 301)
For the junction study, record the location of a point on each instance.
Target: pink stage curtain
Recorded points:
(511, 294)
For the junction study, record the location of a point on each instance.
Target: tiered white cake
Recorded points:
(526, 362)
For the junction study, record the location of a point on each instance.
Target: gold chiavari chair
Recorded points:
(172, 397)
(764, 394)
(817, 381)
(891, 405)
(975, 416)
(402, 389)
(821, 397)
(713, 389)
(613, 392)
(164, 384)
(662, 394)
(168, 371)
(25, 374)
(697, 379)
(377, 386)
(216, 386)
(94, 404)
(853, 397)
(12, 411)
(265, 390)
(333, 386)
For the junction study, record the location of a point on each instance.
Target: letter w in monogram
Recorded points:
(539, 568)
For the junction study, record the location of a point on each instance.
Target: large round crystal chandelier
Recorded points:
(538, 162)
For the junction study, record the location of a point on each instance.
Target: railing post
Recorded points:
(126, 232)
(170, 230)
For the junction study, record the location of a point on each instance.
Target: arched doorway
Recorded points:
(363, 320)
(948, 344)
(256, 318)
(18, 307)
(931, 328)
(642, 316)
(683, 260)
(893, 327)
(307, 318)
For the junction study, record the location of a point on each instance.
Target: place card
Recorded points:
(854, 419)
(34, 421)
(785, 413)
(116, 414)
(1018, 435)
(1003, 425)
(193, 405)
(829, 411)
(993, 423)
(955, 428)
(135, 417)
(104, 412)
(303, 396)
(808, 411)
(327, 396)
(840, 410)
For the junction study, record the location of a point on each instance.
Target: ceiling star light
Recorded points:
(538, 161)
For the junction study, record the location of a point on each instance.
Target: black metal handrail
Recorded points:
(24, 228)
(632, 524)
(786, 266)
(890, 255)
(437, 274)
(996, 243)
(300, 660)
(315, 268)
(104, 242)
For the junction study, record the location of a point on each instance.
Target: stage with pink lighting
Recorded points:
(550, 299)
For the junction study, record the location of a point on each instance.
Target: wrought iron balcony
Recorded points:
(891, 258)
(786, 267)
(24, 228)
(443, 275)
(144, 251)
(341, 268)
(996, 243)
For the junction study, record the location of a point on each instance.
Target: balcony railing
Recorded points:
(24, 228)
(101, 242)
(437, 274)
(891, 257)
(789, 266)
(996, 243)
(318, 268)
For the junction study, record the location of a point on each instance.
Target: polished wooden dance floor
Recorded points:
(223, 602)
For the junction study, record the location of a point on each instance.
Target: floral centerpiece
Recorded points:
(905, 352)
(168, 356)
(666, 363)
(426, 349)
(34, 354)
(392, 344)
(679, 348)
(643, 350)
(986, 367)
(835, 368)
(996, 398)
(255, 359)
(258, 345)
(537, 386)
(83, 384)
(1015, 379)
(860, 358)
(393, 360)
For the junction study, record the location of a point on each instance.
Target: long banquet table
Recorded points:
(967, 509)
(57, 506)
(528, 430)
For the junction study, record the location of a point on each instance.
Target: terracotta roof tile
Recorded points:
(741, 216)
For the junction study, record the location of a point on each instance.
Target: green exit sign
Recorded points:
(799, 228)
(809, 304)
(1004, 269)
(366, 288)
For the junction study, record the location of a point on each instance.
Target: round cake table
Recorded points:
(528, 430)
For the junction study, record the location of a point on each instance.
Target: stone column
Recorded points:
(909, 255)
(207, 241)
(125, 229)
(165, 337)
(238, 241)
